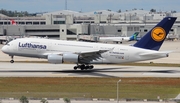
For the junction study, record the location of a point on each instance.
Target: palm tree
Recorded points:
(67, 100)
(153, 10)
(44, 101)
(24, 99)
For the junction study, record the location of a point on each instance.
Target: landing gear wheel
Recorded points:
(91, 67)
(75, 67)
(86, 67)
(83, 67)
(12, 61)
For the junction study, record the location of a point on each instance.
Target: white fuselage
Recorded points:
(41, 48)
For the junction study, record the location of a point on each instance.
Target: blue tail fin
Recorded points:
(134, 36)
(156, 36)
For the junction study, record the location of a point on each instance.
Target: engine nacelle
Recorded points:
(69, 57)
(55, 59)
(66, 57)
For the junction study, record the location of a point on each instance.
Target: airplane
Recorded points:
(13, 22)
(120, 39)
(84, 54)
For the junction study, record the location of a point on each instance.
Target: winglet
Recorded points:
(156, 36)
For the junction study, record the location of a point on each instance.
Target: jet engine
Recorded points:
(66, 57)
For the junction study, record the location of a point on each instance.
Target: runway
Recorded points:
(66, 70)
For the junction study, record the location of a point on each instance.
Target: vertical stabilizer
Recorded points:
(156, 36)
(134, 36)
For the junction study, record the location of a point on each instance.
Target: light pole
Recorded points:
(118, 90)
(145, 19)
(65, 4)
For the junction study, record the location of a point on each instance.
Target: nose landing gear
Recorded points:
(12, 61)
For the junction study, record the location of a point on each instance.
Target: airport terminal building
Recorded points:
(69, 25)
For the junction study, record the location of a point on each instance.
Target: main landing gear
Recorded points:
(83, 67)
(12, 61)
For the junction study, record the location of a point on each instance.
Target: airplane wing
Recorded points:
(87, 56)
(92, 52)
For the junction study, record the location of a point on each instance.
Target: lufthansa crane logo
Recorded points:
(158, 34)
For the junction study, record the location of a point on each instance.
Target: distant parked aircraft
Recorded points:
(8, 38)
(119, 39)
(13, 22)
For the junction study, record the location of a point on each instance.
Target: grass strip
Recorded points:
(73, 87)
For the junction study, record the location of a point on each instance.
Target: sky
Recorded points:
(34, 6)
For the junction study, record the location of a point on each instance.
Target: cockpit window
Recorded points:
(8, 44)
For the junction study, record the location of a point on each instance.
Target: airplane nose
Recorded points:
(4, 49)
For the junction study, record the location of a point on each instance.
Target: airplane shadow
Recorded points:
(99, 72)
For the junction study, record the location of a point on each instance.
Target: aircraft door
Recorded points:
(126, 55)
(96, 47)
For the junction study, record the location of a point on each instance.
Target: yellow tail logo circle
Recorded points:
(158, 34)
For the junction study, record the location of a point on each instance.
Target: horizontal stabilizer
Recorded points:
(162, 53)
